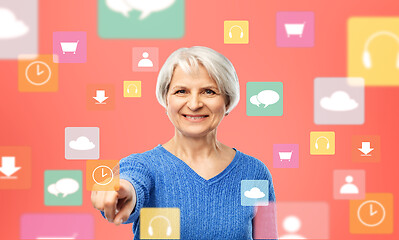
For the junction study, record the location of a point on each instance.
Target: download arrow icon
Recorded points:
(100, 96)
(366, 148)
(8, 166)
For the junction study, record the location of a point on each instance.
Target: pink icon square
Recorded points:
(303, 220)
(349, 184)
(145, 59)
(295, 29)
(57, 226)
(70, 47)
(285, 155)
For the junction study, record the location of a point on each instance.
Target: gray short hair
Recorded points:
(218, 66)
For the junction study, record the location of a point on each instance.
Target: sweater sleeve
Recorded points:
(134, 169)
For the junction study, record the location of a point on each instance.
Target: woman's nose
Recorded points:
(194, 102)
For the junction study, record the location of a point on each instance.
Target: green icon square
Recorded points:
(141, 19)
(63, 188)
(264, 98)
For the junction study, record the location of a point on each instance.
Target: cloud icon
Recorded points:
(146, 7)
(82, 143)
(339, 101)
(10, 27)
(254, 193)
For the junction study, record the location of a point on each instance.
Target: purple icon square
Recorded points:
(70, 47)
(295, 29)
(285, 155)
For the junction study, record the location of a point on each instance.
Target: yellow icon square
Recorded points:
(37, 73)
(160, 223)
(236, 32)
(322, 143)
(372, 215)
(132, 88)
(102, 175)
(373, 50)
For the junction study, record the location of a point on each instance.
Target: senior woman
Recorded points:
(193, 171)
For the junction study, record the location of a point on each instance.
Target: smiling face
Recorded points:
(195, 105)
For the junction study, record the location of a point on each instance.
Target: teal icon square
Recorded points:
(254, 192)
(63, 188)
(264, 98)
(149, 19)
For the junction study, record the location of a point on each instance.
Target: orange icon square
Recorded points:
(15, 168)
(100, 96)
(366, 148)
(372, 215)
(37, 73)
(102, 175)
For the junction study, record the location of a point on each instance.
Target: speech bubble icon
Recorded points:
(65, 186)
(119, 6)
(53, 189)
(254, 100)
(268, 97)
(146, 7)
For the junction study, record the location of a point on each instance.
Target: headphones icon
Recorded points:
(168, 229)
(242, 31)
(366, 54)
(317, 146)
(128, 88)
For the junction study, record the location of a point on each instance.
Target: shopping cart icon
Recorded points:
(294, 29)
(285, 155)
(69, 47)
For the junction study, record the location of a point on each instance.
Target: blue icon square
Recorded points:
(254, 192)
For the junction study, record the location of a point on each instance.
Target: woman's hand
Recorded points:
(116, 205)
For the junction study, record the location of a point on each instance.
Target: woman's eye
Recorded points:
(208, 91)
(180, 91)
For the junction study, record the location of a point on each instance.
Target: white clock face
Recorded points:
(102, 175)
(371, 213)
(38, 73)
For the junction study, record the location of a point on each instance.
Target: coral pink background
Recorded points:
(38, 120)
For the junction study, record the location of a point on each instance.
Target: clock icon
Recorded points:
(38, 73)
(102, 175)
(371, 213)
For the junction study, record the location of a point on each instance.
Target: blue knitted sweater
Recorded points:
(209, 209)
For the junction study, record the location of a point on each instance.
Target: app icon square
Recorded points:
(100, 97)
(372, 215)
(236, 32)
(102, 175)
(141, 20)
(295, 29)
(57, 226)
(264, 99)
(264, 223)
(303, 220)
(37, 73)
(132, 88)
(160, 223)
(285, 155)
(15, 168)
(18, 28)
(70, 47)
(145, 59)
(372, 50)
(63, 188)
(82, 143)
(366, 148)
(349, 184)
(322, 143)
(254, 192)
(338, 100)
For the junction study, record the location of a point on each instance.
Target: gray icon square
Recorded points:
(18, 28)
(338, 100)
(82, 143)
